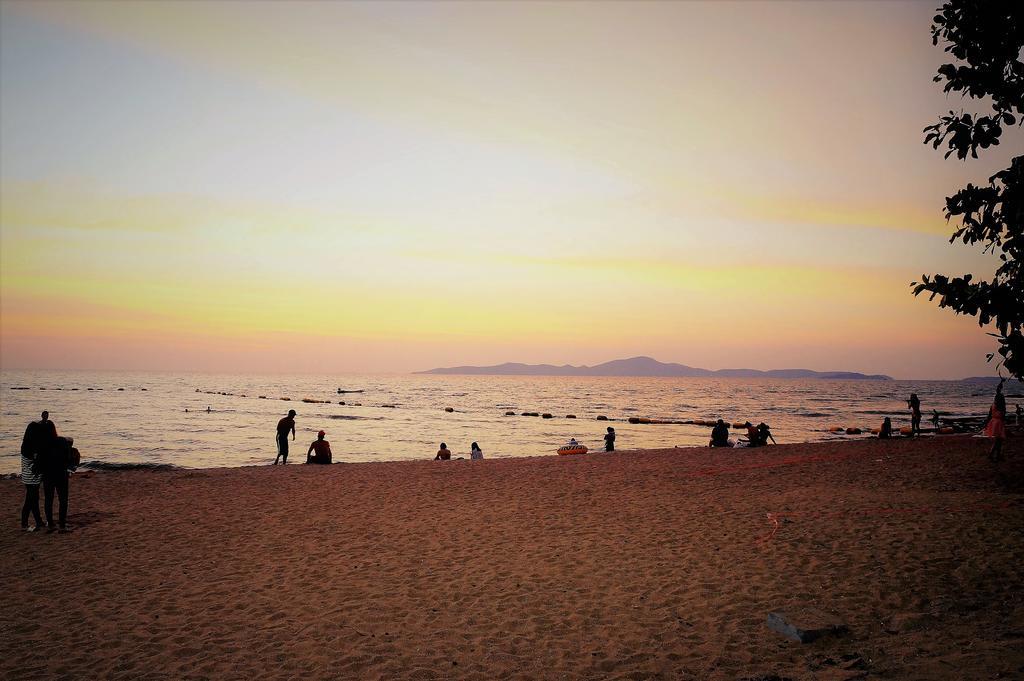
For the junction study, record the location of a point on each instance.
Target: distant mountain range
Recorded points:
(646, 366)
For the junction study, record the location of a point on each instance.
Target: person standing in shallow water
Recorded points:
(283, 426)
(915, 414)
(609, 440)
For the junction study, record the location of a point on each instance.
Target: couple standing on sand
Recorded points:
(47, 459)
(319, 451)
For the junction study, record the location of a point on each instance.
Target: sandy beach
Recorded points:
(640, 564)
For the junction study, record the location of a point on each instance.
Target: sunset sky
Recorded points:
(397, 186)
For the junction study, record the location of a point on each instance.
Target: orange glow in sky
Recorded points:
(396, 186)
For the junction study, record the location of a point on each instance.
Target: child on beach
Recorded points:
(475, 452)
(443, 454)
(885, 432)
(609, 440)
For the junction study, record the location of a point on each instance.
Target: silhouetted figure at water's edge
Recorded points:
(915, 414)
(720, 435)
(319, 451)
(283, 426)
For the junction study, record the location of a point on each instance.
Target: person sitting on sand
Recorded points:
(320, 450)
(719, 435)
(475, 452)
(751, 434)
(283, 426)
(764, 434)
(609, 440)
(443, 454)
(885, 432)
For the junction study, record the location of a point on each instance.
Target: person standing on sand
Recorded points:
(52, 462)
(1000, 400)
(283, 426)
(915, 414)
(320, 450)
(443, 454)
(996, 426)
(29, 475)
(609, 440)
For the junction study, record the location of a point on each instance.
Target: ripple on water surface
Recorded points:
(151, 427)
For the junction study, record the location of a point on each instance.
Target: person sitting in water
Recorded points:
(885, 432)
(475, 452)
(609, 440)
(443, 454)
(320, 450)
(720, 435)
(764, 434)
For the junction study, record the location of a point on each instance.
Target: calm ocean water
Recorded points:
(141, 418)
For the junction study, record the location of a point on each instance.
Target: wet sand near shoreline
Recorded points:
(634, 565)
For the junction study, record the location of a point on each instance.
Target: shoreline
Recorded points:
(640, 564)
(95, 466)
